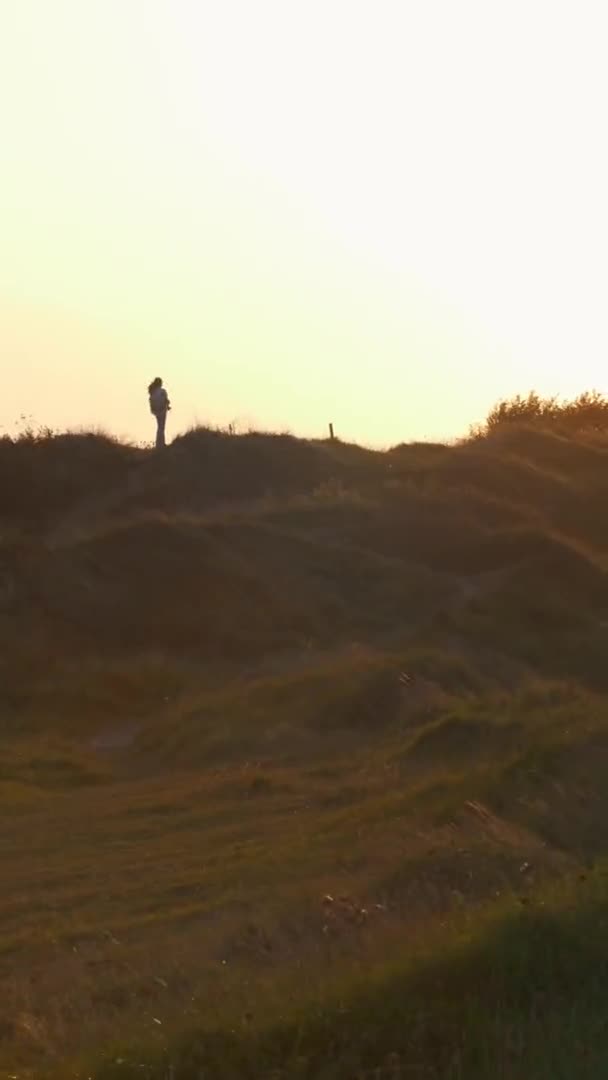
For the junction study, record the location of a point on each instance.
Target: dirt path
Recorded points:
(112, 739)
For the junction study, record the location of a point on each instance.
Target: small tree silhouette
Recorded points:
(588, 411)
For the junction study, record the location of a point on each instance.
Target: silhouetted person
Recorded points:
(159, 407)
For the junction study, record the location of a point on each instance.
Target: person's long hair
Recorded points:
(154, 385)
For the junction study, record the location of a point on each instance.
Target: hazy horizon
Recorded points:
(384, 215)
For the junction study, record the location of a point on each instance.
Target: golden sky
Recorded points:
(384, 214)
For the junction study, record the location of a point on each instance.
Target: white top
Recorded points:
(159, 400)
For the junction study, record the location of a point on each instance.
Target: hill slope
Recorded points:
(256, 675)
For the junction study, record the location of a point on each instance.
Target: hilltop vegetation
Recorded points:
(303, 754)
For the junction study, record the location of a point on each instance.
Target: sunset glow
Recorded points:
(387, 215)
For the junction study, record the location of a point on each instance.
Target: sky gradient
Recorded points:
(387, 215)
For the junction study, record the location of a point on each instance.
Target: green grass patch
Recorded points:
(522, 995)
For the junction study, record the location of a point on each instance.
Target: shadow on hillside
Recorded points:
(235, 546)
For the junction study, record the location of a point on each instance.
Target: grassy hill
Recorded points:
(303, 755)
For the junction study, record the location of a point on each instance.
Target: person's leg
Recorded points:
(161, 420)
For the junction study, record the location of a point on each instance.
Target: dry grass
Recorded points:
(135, 875)
(256, 673)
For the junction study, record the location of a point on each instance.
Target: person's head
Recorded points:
(155, 385)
